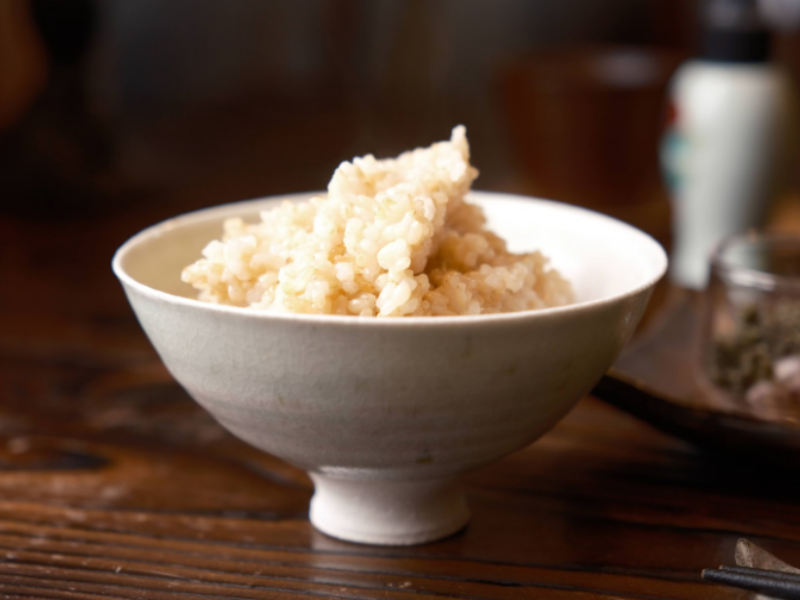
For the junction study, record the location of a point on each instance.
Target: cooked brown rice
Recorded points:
(391, 238)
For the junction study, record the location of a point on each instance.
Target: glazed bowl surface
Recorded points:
(385, 413)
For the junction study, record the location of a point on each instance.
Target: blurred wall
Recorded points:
(403, 71)
(166, 54)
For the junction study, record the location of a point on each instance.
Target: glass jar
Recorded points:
(750, 341)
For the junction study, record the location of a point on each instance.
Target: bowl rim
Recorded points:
(354, 320)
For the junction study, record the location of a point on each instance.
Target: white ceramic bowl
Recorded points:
(385, 414)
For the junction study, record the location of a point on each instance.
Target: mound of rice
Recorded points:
(391, 238)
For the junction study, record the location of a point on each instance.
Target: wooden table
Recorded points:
(114, 484)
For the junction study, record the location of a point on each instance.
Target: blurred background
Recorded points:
(116, 114)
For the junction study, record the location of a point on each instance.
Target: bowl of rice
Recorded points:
(393, 332)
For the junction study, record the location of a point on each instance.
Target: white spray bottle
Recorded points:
(729, 138)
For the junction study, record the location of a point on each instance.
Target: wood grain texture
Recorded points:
(115, 484)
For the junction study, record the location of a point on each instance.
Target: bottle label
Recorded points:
(674, 146)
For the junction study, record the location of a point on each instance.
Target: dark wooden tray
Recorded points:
(655, 380)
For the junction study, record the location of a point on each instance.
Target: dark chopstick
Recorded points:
(771, 583)
(782, 575)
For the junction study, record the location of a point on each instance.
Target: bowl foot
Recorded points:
(387, 512)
